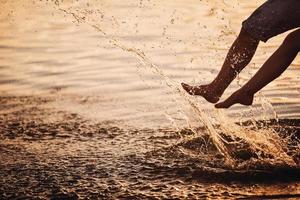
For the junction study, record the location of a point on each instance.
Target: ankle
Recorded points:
(247, 92)
(217, 87)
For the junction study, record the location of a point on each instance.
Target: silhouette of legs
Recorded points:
(271, 69)
(239, 55)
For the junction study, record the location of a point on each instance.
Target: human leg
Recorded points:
(271, 69)
(239, 55)
(260, 26)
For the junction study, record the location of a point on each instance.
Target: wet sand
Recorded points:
(70, 157)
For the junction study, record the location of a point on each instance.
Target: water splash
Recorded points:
(261, 141)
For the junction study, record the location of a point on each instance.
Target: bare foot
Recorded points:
(205, 91)
(237, 97)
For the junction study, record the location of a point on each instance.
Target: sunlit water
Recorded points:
(104, 113)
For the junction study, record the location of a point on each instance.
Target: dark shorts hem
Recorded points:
(273, 18)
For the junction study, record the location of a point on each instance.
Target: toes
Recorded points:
(224, 104)
(184, 85)
(220, 105)
(188, 88)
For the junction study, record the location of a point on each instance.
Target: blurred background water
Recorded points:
(46, 51)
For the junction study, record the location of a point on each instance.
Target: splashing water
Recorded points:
(264, 143)
(169, 82)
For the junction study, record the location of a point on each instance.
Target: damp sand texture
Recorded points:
(91, 105)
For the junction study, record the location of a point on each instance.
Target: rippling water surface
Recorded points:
(91, 104)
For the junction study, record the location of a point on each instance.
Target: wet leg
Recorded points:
(239, 55)
(271, 69)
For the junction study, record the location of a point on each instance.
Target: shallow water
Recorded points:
(102, 115)
(46, 153)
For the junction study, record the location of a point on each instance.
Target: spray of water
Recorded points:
(261, 141)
